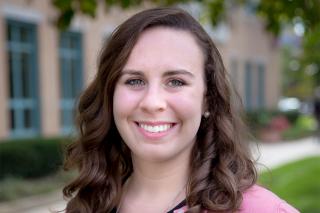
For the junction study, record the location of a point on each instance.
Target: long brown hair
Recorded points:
(221, 165)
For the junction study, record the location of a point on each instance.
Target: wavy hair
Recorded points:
(221, 168)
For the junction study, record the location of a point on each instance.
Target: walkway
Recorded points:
(270, 155)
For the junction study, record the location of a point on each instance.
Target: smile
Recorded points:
(155, 128)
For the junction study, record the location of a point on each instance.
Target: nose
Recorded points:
(153, 99)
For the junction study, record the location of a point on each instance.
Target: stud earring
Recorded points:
(206, 114)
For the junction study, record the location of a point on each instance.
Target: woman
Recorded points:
(158, 132)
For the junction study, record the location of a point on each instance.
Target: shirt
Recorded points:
(255, 200)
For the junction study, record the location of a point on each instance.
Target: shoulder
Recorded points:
(259, 199)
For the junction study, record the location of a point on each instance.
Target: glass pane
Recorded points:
(24, 34)
(64, 117)
(73, 42)
(67, 42)
(27, 118)
(11, 80)
(25, 73)
(68, 79)
(71, 117)
(61, 61)
(9, 33)
(73, 73)
(12, 122)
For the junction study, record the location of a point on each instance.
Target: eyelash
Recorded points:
(134, 82)
(176, 83)
(139, 83)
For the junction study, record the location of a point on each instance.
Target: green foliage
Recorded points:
(216, 11)
(88, 7)
(279, 13)
(311, 56)
(306, 122)
(297, 126)
(297, 183)
(262, 118)
(67, 9)
(259, 118)
(303, 126)
(31, 157)
(295, 81)
(292, 115)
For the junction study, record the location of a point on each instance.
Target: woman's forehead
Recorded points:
(163, 46)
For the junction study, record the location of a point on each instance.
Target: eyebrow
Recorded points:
(167, 73)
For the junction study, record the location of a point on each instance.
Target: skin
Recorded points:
(162, 84)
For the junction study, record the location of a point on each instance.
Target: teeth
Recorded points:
(154, 129)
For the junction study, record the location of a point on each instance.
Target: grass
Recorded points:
(298, 183)
(12, 188)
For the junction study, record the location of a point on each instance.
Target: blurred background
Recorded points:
(48, 54)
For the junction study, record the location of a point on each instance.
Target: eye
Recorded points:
(135, 82)
(176, 83)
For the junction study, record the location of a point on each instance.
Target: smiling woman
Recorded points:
(158, 132)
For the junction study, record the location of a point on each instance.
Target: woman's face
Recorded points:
(159, 99)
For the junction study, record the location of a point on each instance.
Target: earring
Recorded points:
(206, 114)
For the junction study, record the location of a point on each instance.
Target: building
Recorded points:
(42, 70)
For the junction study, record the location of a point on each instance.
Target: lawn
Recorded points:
(298, 183)
(12, 188)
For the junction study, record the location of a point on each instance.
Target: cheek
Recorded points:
(188, 105)
(124, 102)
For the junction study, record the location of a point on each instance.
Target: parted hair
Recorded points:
(221, 168)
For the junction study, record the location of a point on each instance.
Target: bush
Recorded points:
(304, 126)
(291, 115)
(258, 119)
(262, 118)
(30, 158)
(289, 125)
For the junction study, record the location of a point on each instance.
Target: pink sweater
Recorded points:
(259, 200)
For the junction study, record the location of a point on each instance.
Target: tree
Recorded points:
(68, 8)
(306, 15)
(295, 81)
(277, 15)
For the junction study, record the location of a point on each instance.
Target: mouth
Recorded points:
(155, 128)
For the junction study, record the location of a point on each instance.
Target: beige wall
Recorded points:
(247, 40)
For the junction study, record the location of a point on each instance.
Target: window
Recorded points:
(23, 80)
(70, 53)
(254, 86)
(248, 100)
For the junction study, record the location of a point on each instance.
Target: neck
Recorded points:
(161, 184)
(156, 177)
